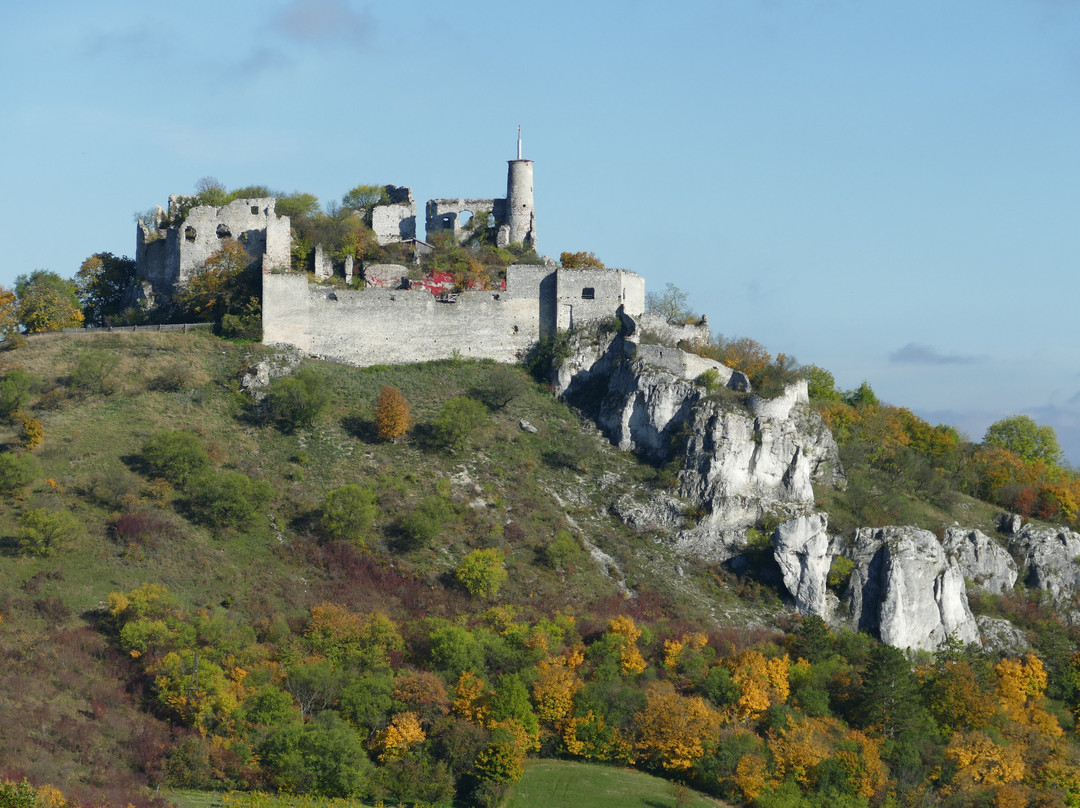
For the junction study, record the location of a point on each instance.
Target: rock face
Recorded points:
(742, 455)
(905, 589)
(801, 549)
(983, 562)
(1050, 557)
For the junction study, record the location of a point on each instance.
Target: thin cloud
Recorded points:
(312, 22)
(915, 354)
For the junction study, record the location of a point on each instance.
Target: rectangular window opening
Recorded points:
(588, 293)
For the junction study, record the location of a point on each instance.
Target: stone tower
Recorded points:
(520, 214)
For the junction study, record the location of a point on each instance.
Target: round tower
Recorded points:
(520, 215)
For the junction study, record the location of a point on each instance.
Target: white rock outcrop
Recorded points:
(802, 550)
(984, 562)
(906, 589)
(1050, 557)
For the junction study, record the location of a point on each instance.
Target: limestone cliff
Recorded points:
(741, 456)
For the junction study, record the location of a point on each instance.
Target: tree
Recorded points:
(347, 513)
(229, 498)
(482, 572)
(820, 383)
(102, 281)
(223, 286)
(42, 531)
(9, 313)
(580, 260)
(1022, 435)
(672, 730)
(47, 302)
(457, 418)
(391, 414)
(363, 196)
(862, 396)
(671, 304)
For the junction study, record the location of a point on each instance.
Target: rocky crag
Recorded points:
(744, 460)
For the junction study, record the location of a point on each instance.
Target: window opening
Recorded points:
(588, 293)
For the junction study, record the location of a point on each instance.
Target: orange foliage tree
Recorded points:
(674, 730)
(391, 414)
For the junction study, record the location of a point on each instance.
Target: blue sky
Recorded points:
(890, 190)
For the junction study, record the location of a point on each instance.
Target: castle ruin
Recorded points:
(391, 320)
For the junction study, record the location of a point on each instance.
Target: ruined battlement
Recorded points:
(390, 320)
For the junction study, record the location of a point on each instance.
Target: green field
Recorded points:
(565, 784)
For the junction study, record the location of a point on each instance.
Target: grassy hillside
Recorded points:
(183, 604)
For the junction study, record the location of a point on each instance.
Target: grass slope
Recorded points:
(567, 784)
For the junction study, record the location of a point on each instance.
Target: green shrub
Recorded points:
(482, 572)
(228, 498)
(563, 551)
(178, 455)
(456, 420)
(172, 379)
(426, 522)
(839, 573)
(16, 389)
(347, 513)
(16, 471)
(710, 380)
(296, 401)
(42, 531)
(91, 373)
(547, 354)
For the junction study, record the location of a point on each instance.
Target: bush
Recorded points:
(504, 385)
(16, 389)
(456, 420)
(563, 551)
(91, 373)
(178, 455)
(547, 355)
(172, 379)
(33, 433)
(297, 400)
(228, 498)
(16, 471)
(42, 531)
(143, 527)
(710, 380)
(347, 513)
(482, 572)
(425, 523)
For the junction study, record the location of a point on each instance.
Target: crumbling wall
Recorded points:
(168, 257)
(445, 214)
(394, 221)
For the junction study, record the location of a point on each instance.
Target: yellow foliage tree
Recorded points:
(9, 316)
(624, 628)
(401, 734)
(982, 762)
(673, 730)
(762, 682)
(391, 414)
(336, 633)
(798, 748)
(471, 698)
(752, 775)
(1021, 684)
(554, 689)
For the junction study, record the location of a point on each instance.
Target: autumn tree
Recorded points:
(580, 260)
(391, 414)
(224, 285)
(9, 312)
(673, 730)
(761, 682)
(102, 281)
(47, 302)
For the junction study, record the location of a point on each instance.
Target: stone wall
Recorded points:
(397, 326)
(593, 294)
